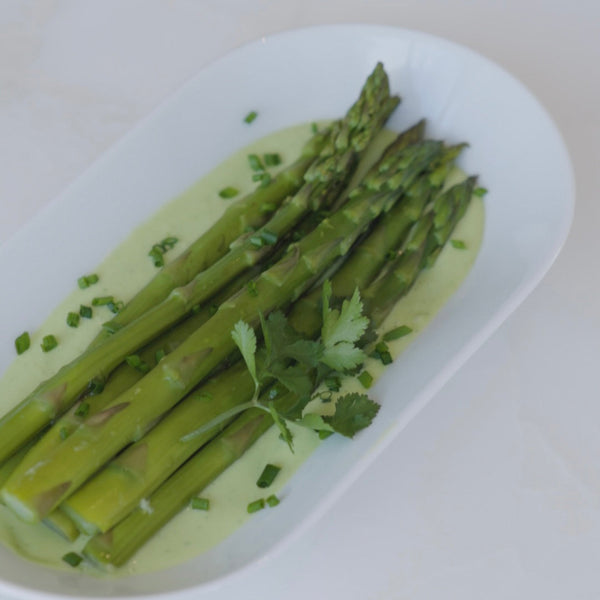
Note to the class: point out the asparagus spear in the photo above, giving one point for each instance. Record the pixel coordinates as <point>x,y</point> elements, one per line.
<point>214,243</point>
<point>33,495</point>
<point>116,546</point>
<point>422,248</point>
<point>349,137</point>
<point>364,261</point>
<point>8,466</point>
<point>127,479</point>
<point>374,101</point>
<point>117,489</point>
<point>122,379</point>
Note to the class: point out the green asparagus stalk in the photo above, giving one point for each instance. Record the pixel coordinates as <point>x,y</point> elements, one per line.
<point>364,117</point>
<point>126,480</point>
<point>9,465</point>
<point>425,242</point>
<point>214,243</point>
<point>118,488</point>
<point>33,495</point>
<point>124,377</point>
<point>348,139</point>
<point>116,546</point>
<point>364,261</point>
<point>57,520</point>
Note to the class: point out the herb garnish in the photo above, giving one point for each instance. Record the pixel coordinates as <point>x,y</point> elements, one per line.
<point>23,342</point>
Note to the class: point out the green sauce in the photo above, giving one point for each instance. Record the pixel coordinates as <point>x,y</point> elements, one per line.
<point>126,270</point>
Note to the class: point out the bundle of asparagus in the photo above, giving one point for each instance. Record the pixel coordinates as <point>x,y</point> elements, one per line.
<point>84,462</point>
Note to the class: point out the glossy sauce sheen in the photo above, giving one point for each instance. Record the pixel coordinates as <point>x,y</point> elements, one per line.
<point>126,270</point>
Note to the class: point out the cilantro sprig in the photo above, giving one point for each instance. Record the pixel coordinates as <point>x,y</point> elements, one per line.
<point>299,364</point>
<point>287,361</point>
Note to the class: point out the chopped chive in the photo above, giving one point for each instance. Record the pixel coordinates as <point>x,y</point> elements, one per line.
<point>200,503</point>
<point>272,159</point>
<point>73,319</point>
<point>85,311</point>
<point>266,180</point>
<point>333,384</point>
<point>268,476</point>
<point>102,300</point>
<point>250,117</point>
<point>258,176</point>
<point>23,342</point>
<point>49,342</point>
<point>116,307</point>
<point>111,327</point>
<point>256,241</point>
<point>480,192</point>
<point>273,500</point>
<point>137,363</point>
<point>263,238</point>
<point>268,237</point>
<point>255,162</point>
<point>72,558</point>
<point>325,396</point>
<point>158,250</point>
<point>458,244</point>
<point>256,505</point>
<point>86,280</point>
<point>382,353</point>
<point>95,386</point>
<point>251,287</point>
<point>314,127</point>
<point>228,192</point>
<point>366,379</point>
<point>63,433</point>
<point>159,355</point>
<point>157,256</point>
<point>82,410</point>
<point>397,333</point>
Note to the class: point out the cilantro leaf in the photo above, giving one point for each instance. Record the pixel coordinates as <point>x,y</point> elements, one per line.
<point>305,352</point>
<point>341,329</point>
<point>344,356</point>
<point>353,412</point>
<point>286,356</point>
<point>283,342</point>
<point>245,338</point>
<point>294,378</point>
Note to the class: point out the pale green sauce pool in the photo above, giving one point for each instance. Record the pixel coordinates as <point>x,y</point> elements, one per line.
<point>126,270</point>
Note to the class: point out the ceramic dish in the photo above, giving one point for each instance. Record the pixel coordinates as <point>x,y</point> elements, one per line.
<point>294,77</point>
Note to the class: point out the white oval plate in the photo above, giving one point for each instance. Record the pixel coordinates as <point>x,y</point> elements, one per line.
<point>292,77</point>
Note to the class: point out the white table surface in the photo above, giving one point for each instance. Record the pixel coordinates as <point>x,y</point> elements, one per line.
<point>493,491</point>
